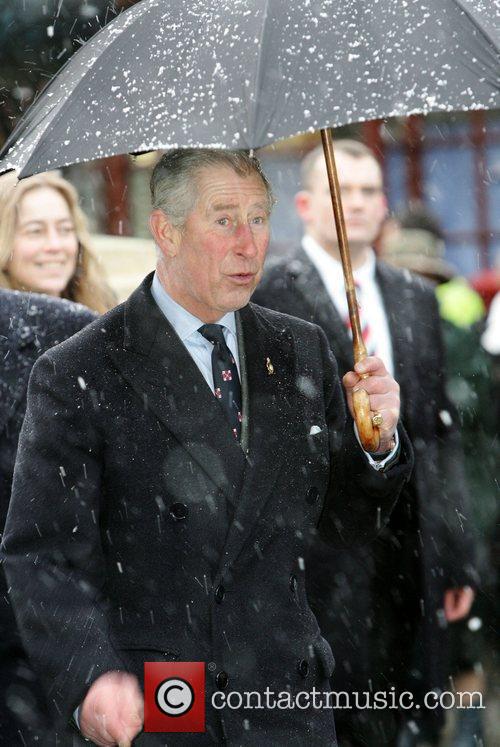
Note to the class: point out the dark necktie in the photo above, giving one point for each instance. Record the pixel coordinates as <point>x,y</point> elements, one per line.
<point>226,380</point>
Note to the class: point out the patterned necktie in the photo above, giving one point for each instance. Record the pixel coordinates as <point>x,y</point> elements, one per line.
<point>366,330</point>
<point>226,380</point>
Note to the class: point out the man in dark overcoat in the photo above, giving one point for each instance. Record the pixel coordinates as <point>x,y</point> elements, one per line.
<point>30,324</point>
<point>177,456</point>
<point>384,607</point>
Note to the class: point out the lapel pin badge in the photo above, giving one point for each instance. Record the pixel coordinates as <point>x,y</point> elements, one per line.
<point>269,366</point>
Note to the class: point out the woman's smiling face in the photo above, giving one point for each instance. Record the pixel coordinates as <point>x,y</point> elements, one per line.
<point>45,248</point>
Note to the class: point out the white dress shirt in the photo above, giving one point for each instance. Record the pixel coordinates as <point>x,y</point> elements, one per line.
<point>491,336</point>
<point>368,293</point>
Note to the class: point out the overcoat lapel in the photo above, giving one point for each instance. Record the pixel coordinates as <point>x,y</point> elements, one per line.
<point>270,365</point>
<point>155,362</point>
<point>323,311</point>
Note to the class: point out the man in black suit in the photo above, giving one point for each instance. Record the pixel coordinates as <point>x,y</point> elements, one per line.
<point>30,324</point>
<point>385,606</point>
<point>168,523</point>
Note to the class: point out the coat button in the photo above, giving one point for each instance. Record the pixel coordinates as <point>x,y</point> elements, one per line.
<point>312,495</point>
<point>221,680</point>
<point>220,593</point>
<point>293,583</point>
<point>303,668</point>
<point>178,511</point>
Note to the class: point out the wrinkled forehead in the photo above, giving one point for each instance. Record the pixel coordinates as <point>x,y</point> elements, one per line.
<point>220,187</point>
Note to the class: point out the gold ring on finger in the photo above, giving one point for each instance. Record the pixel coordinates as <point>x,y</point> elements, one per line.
<point>377,419</point>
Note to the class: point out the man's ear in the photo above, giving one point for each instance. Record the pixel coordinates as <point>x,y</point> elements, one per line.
<point>164,233</point>
<point>303,204</point>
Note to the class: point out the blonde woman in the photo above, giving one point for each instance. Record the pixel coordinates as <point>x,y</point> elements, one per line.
<point>44,242</point>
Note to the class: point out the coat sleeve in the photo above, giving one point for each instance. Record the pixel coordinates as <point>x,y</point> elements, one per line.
<point>51,550</point>
<point>360,499</point>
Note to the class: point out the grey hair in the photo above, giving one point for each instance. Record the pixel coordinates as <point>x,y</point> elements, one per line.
<point>173,181</point>
<point>352,148</point>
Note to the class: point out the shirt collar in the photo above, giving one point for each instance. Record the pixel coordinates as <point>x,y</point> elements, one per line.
<point>183,322</point>
<point>333,268</point>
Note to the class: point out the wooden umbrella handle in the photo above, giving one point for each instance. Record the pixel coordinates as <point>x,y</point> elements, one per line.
<point>369,434</point>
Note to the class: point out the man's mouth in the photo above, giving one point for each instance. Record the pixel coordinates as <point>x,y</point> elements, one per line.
<point>242,277</point>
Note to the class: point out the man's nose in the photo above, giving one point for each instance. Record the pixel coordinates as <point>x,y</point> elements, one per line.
<point>245,242</point>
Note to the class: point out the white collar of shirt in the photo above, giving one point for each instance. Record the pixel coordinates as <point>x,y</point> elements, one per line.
<point>330,269</point>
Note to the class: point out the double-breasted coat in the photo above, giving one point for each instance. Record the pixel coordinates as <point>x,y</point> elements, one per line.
<point>381,605</point>
<point>154,535</point>
<point>29,325</point>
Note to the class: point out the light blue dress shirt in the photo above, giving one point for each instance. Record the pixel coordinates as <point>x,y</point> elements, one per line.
<point>186,326</point>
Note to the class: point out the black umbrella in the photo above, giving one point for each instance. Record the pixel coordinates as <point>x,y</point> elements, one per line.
<point>244,73</point>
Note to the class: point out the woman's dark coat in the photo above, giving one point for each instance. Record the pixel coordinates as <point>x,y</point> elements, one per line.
<point>30,324</point>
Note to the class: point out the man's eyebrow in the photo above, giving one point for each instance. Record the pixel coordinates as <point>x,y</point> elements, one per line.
<point>223,206</point>
<point>218,206</point>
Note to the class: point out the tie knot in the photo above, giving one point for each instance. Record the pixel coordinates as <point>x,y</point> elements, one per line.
<point>213,333</point>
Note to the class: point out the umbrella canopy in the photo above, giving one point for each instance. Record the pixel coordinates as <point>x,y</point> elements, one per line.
<point>243,73</point>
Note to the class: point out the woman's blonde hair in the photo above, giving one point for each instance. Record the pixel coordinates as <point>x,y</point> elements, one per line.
<point>86,286</point>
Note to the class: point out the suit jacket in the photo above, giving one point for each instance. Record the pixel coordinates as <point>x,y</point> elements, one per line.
<point>427,546</point>
<point>29,325</point>
<point>155,536</point>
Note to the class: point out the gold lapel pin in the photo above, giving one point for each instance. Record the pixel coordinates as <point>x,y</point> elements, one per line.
<point>269,366</point>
